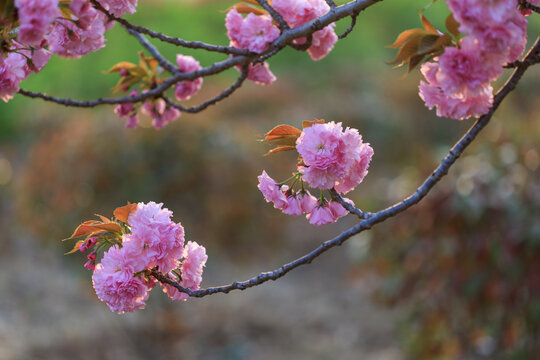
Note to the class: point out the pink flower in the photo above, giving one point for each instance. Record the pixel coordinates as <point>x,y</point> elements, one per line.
<point>502,43</point>
<point>36,16</point>
<point>192,268</point>
<point>458,108</point>
<point>186,89</point>
<point>155,239</point>
<point>126,109</point>
<point>161,113</point>
<point>13,70</point>
<point>338,210</point>
<point>333,157</point>
<point>261,74</point>
<point>85,13</point>
<point>119,7</point>
<point>299,12</point>
<point>472,13</point>
<point>272,191</point>
<point>321,215</point>
<point>323,42</point>
<point>132,121</point>
<point>294,206</point>
<point>308,202</point>
<point>115,284</point>
<point>463,72</point>
<point>253,32</point>
<point>68,40</point>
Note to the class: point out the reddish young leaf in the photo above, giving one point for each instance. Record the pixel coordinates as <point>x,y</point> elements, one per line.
<point>281,131</point>
<point>110,227</point>
<point>308,123</point>
<point>246,9</point>
<point>406,36</point>
<point>452,26</point>
<point>122,213</point>
<point>76,247</point>
<point>280,149</point>
<point>122,65</point>
<point>427,25</point>
<point>83,230</point>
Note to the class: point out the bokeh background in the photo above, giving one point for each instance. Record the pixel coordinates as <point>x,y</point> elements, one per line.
<point>456,277</point>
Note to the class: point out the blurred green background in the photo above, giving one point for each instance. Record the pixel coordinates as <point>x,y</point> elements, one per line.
<point>457,277</point>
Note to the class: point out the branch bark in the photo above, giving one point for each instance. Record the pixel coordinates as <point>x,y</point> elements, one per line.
<point>455,152</point>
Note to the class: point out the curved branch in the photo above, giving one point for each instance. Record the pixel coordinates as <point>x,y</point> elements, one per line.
<point>283,40</point>
<point>275,15</point>
<point>195,109</point>
<point>454,153</point>
<point>350,28</point>
<point>169,39</point>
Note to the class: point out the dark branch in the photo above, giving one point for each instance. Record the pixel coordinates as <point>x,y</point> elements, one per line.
<point>350,28</point>
<point>283,40</point>
<point>454,153</point>
<point>350,208</point>
<point>169,39</point>
<point>274,14</point>
<point>224,94</point>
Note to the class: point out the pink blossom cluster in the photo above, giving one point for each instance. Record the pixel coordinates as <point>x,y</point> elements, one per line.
<point>161,112</point>
<point>42,29</point>
<point>318,212</point>
<point>333,157</point>
<point>17,66</point>
<point>299,12</point>
<point>36,16</point>
<point>459,81</point>
<point>155,241</point>
<point>254,33</point>
<point>186,89</point>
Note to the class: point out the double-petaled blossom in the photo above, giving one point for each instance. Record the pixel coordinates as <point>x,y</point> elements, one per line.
<point>299,12</point>
<point>194,259</point>
<point>115,283</point>
<point>13,70</point>
<point>69,40</point>
<point>186,89</point>
<point>36,17</point>
<point>459,80</point>
<point>253,33</point>
<point>154,242</point>
<point>161,113</point>
<point>333,157</point>
<point>119,7</point>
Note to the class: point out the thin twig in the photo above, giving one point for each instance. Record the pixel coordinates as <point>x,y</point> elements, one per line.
<point>169,39</point>
<point>304,46</point>
<point>350,28</point>
<point>195,109</point>
<point>380,216</point>
<point>274,14</point>
<point>331,3</point>
<point>155,53</point>
<point>283,40</point>
<point>349,207</point>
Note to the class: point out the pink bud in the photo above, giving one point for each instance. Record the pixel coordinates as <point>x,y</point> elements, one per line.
<point>90,265</point>
<point>92,257</point>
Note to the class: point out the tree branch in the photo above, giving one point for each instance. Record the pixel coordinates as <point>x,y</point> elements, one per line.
<point>380,216</point>
<point>286,37</point>
<point>224,94</point>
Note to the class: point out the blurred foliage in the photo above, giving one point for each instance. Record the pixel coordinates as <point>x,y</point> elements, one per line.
<point>466,261</point>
